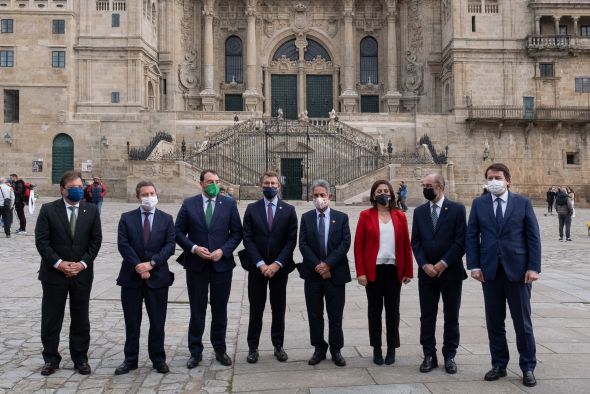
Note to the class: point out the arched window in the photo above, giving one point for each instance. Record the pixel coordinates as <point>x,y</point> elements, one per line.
<point>288,49</point>
<point>315,49</point>
<point>233,60</point>
<point>369,60</point>
<point>62,154</point>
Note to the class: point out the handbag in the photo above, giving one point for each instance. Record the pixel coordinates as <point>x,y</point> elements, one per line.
<point>7,201</point>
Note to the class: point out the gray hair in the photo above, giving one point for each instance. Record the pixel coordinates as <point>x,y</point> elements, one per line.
<point>440,180</point>
<point>321,183</point>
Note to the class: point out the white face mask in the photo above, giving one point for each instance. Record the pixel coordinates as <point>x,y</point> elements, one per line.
<point>496,187</point>
<point>149,203</point>
<point>321,203</point>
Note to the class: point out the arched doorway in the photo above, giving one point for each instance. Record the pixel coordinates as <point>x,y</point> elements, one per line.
<point>301,78</point>
<point>62,154</point>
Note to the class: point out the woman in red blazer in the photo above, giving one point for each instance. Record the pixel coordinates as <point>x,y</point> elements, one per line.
<point>383,259</point>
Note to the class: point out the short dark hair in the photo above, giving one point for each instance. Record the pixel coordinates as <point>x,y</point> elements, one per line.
<point>391,194</point>
<point>498,167</point>
<point>202,176</point>
<point>143,184</point>
<point>270,174</point>
<point>69,176</point>
<point>14,175</point>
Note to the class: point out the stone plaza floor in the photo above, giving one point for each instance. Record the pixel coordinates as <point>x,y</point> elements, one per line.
<point>561,318</point>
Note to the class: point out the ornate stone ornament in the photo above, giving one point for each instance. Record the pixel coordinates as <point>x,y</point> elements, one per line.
<point>414,68</point>
<point>189,71</point>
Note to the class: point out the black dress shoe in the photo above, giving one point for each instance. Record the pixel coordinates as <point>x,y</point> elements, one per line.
<point>223,358</point>
<point>378,356</point>
<point>194,361</point>
<point>83,368</point>
<point>125,368</point>
<point>528,379</point>
<point>161,367</point>
<point>280,354</point>
<point>429,363</point>
<point>495,373</point>
<point>252,356</point>
<point>450,365</point>
<point>317,357</point>
<point>49,369</point>
<point>390,356</point>
<point>338,359</point>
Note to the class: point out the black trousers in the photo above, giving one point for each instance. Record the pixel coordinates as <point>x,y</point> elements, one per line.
<point>156,302</point>
<point>20,212</point>
<point>518,295</point>
<point>53,306</point>
<point>6,214</point>
<point>430,292</point>
<point>315,293</point>
<point>564,220</point>
<point>198,284</point>
<point>385,290</point>
<point>549,206</point>
<point>277,285</point>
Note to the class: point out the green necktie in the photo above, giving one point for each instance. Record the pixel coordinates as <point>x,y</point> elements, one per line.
<point>73,219</point>
<point>208,213</point>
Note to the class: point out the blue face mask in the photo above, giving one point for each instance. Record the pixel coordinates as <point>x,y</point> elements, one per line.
<point>269,192</point>
<point>382,199</point>
<point>75,194</point>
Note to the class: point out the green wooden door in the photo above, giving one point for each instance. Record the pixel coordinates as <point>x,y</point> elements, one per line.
<point>284,95</point>
<point>62,156</point>
<point>319,96</point>
<point>234,103</point>
<point>369,103</point>
<point>291,174</point>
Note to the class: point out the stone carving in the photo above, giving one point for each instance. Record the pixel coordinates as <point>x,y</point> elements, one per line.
<point>189,71</point>
<point>414,68</point>
<point>232,15</point>
<point>284,63</point>
<point>369,16</point>
<point>369,88</point>
<point>186,25</point>
<point>318,63</point>
<point>303,117</point>
<point>415,72</point>
<point>61,117</point>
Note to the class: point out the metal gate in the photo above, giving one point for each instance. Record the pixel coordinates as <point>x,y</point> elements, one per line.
<point>284,95</point>
<point>291,176</point>
<point>319,95</point>
<point>62,155</point>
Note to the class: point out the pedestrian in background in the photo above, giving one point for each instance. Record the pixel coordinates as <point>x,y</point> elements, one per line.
<point>565,211</point>
<point>550,200</point>
<point>19,203</point>
<point>6,206</point>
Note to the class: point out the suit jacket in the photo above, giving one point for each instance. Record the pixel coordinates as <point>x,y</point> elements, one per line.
<point>445,242</point>
<point>225,232</point>
<point>337,248</point>
<point>277,244</point>
<point>133,250</point>
<point>517,240</point>
<point>54,240</point>
<point>366,245</point>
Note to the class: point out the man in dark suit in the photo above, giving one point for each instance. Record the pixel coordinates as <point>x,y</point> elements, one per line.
<point>270,236</point>
<point>68,236</point>
<point>146,242</point>
<point>438,242</point>
<point>324,240</point>
<point>504,254</point>
<point>208,229</point>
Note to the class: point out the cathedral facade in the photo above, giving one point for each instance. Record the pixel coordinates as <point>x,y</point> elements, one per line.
<point>133,89</point>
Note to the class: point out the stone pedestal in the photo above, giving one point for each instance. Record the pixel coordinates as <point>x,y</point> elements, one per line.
<point>252,101</point>
<point>209,100</point>
<point>349,101</point>
<point>408,102</point>
<point>391,101</point>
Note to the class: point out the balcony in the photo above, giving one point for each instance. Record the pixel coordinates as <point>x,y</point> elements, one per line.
<point>502,113</point>
<point>558,45</point>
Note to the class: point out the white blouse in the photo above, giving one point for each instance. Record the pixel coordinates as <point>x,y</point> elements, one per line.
<point>386,254</point>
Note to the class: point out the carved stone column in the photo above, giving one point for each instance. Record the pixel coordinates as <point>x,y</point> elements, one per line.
<point>349,97</point>
<point>393,95</point>
<point>576,32</point>
<point>208,95</point>
<point>538,25</point>
<point>556,19</point>
<point>251,95</point>
<point>267,98</point>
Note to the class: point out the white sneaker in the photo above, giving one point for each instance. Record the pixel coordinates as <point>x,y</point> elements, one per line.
<point>21,232</point>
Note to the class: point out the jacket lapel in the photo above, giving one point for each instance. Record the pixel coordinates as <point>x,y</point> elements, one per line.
<point>140,226</point>
<point>216,212</point>
<point>334,221</point>
<point>200,210</point>
<point>441,216</point>
<point>489,210</point>
<point>277,215</point>
<point>262,215</point>
<point>313,222</point>
<point>509,209</point>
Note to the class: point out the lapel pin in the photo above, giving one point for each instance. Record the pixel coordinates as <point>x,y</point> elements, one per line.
<point>446,208</point>
<point>333,221</point>
<point>280,207</point>
<point>84,211</point>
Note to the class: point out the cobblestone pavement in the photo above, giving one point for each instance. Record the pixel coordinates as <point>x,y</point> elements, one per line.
<point>561,317</point>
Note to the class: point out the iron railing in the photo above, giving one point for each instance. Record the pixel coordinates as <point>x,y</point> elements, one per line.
<point>501,112</point>
<point>439,158</point>
<point>137,153</point>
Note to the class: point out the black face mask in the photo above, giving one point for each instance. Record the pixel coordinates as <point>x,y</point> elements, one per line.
<point>269,192</point>
<point>383,199</point>
<point>429,193</point>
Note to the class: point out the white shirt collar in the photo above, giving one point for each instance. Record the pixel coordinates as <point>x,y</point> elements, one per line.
<point>142,209</point>
<point>503,196</point>
<point>326,212</point>
<point>206,197</point>
<point>274,201</point>
<point>77,205</point>
<point>439,203</point>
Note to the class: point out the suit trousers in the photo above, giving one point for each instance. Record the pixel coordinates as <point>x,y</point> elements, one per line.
<point>20,213</point>
<point>277,285</point>
<point>198,284</point>
<point>430,292</point>
<point>386,290</point>
<point>518,294</point>
<point>53,306</point>
<point>156,302</point>
<point>315,293</point>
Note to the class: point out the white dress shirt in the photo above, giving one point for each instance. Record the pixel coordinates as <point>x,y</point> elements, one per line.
<point>386,254</point>
<point>69,212</point>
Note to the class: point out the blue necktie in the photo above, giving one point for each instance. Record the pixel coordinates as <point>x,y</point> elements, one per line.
<point>499,216</point>
<point>322,231</point>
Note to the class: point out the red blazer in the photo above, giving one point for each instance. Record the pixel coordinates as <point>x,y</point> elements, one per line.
<point>366,245</point>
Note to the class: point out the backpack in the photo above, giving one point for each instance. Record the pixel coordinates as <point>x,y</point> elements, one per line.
<point>27,191</point>
<point>561,198</point>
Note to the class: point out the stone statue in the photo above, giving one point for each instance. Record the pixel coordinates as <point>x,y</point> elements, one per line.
<point>303,116</point>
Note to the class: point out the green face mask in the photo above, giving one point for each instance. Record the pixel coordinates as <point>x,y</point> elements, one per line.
<point>212,190</point>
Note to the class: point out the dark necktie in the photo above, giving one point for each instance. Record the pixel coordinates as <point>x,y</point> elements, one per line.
<point>499,215</point>
<point>322,231</point>
<point>73,220</point>
<point>209,213</point>
<point>434,215</point>
<point>269,216</point>
<point>146,228</point>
